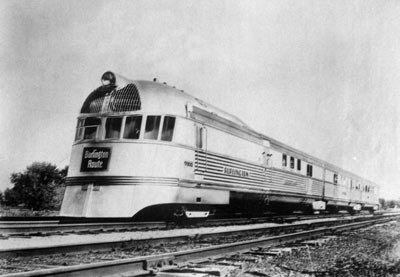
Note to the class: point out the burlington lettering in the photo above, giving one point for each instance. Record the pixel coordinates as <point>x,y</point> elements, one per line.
<point>95,158</point>
<point>96,155</point>
<point>92,164</point>
<point>236,172</point>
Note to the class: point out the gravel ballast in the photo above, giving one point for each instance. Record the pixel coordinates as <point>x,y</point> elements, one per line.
<point>373,251</point>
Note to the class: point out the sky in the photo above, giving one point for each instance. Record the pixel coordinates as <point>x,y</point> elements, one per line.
<point>320,76</point>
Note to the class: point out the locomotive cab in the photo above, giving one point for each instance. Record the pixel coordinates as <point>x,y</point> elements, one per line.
<point>133,155</point>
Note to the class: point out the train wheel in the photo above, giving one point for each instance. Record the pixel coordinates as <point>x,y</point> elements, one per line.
<point>179,214</point>
<point>308,210</point>
<point>332,209</point>
<point>351,211</point>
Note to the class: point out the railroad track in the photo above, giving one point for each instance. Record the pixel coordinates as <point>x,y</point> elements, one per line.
<point>151,263</point>
<point>46,228</point>
<point>158,237</point>
<point>51,226</point>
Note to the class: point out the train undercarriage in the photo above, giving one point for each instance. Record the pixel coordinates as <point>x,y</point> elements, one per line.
<point>246,205</point>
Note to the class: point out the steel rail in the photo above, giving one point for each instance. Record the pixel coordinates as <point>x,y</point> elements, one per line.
<point>150,264</point>
<point>32,228</point>
<point>49,227</point>
<point>129,243</point>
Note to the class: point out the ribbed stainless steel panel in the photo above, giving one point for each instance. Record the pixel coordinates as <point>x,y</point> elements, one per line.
<point>120,180</point>
<point>213,168</point>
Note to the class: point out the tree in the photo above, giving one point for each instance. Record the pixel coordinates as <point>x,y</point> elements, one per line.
<point>60,190</point>
<point>382,203</point>
<point>36,187</point>
<point>391,203</point>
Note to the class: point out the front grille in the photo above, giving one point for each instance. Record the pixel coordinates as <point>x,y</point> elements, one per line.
<point>110,99</point>
<point>95,105</point>
<point>125,99</point>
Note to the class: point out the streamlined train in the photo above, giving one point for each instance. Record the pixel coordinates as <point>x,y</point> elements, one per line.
<point>146,150</point>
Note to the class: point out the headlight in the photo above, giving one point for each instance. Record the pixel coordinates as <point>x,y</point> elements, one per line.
<point>108,79</point>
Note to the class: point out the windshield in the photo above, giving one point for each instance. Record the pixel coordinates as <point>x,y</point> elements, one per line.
<point>156,127</point>
<point>87,128</point>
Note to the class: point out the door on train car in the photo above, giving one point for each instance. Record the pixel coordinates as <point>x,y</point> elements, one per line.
<point>266,155</point>
<point>201,151</point>
<point>266,160</point>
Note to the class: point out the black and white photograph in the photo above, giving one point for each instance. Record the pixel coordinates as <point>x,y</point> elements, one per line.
<point>200,138</point>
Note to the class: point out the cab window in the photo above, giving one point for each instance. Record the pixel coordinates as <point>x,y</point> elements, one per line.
<point>113,127</point>
<point>152,127</point>
<point>132,127</point>
<point>168,128</point>
<point>91,126</point>
<point>79,129</point>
